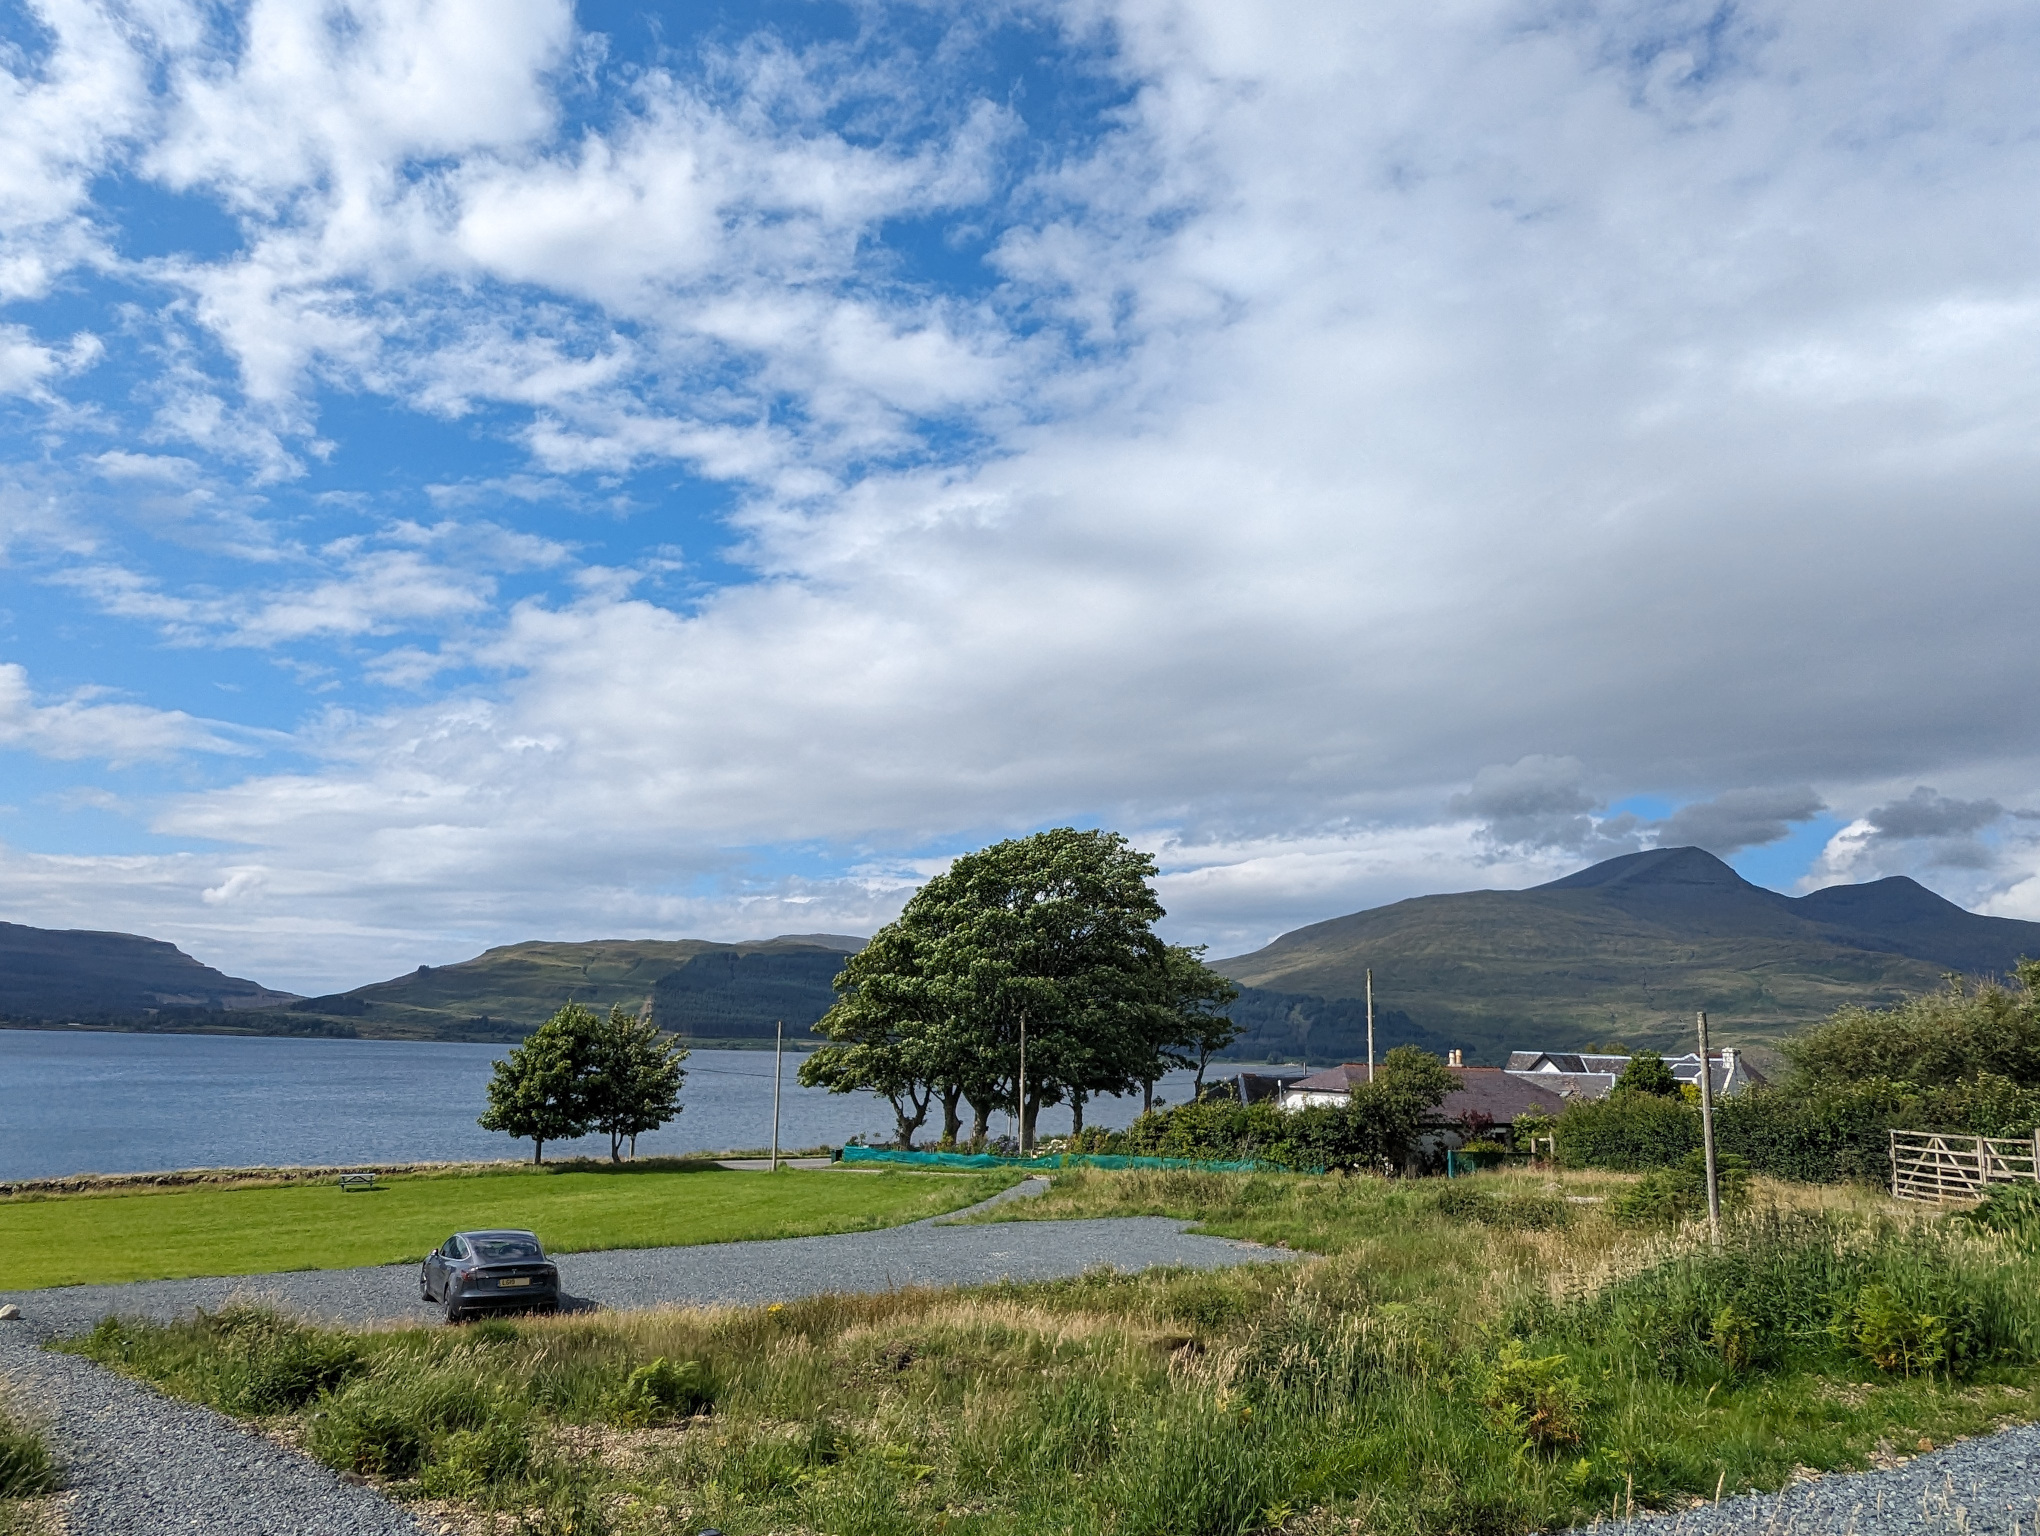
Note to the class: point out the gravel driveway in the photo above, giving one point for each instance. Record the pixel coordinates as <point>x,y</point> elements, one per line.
<point>1989,1486</point>
<point>142,1464</point>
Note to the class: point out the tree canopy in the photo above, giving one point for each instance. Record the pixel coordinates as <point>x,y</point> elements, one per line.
<point>634,1078</point>
<point>577,1072</point>
<point>1648,1074</point>
<point>1048,937</point>
<point>1957,1035</point>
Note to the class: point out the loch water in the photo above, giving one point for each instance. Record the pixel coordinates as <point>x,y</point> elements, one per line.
<point>83,1101</point>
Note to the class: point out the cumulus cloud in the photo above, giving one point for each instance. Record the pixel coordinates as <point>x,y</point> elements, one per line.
<point>1927,813</point>
<point>1940,838</point>
<point>85,726</point>
<point>1541,803</point>
<point>1354,404</point>
<point>1738,819</point>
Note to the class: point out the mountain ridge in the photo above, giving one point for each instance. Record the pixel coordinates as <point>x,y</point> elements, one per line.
<point>1631,948</point>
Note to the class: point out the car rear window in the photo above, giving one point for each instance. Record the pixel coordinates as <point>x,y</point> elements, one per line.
<point>491,1250</point>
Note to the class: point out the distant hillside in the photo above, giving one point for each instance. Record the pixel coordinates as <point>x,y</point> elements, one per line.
<point>50,975</point>
<point>1627,950</point>
<point>699,989</point>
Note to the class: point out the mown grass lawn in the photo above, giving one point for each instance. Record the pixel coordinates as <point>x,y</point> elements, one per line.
<point>170,1234</point>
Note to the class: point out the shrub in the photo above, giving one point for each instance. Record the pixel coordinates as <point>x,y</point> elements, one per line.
<point>1538,1400</point>
<point>27,1470</point>
<point>1783,1289</point>
<point>383,1425</point>
<point>1465,1201</point>
<point>1376,1127</point>
<point>1629,1132</point>
<point>660,1392</point>
<point>1894,1336</point>
<point>1958,1035</point>
<point>1840,1132</point>
<point>273,1364</point>
<point>471,1460</point>
<point>1666,1196</point>
<point>2010,1209</point>
<point>369,1435</point>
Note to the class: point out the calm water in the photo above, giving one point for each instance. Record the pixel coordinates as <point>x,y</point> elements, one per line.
<point>78,1102</point>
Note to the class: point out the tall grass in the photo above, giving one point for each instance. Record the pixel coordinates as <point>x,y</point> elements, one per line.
<point>1477,1360</point>
<point>28,1471</point>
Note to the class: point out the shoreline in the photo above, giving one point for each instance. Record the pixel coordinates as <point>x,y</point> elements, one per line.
<point>259,1176</point>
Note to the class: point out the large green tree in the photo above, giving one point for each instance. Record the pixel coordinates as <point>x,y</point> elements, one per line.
<point>634,1076</point>
<point>540,1090</point>
<point>1047,938</point>
<point>881,1031</point>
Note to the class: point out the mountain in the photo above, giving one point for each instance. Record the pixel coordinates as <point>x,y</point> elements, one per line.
<point>705,991</point>
<point>61,974</point>
<point>1626,949</point>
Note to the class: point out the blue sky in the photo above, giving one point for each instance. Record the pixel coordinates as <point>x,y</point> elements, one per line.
<point>477,471</point>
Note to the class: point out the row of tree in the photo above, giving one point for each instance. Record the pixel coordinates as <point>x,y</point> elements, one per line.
<point>1034,962</point>
<point>578,1073</point>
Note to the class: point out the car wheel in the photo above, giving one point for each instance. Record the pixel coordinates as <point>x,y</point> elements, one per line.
<point>453,1310</point>
<point>424,1287</point>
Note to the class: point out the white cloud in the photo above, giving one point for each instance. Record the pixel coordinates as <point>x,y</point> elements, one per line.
<point>82,726</point>
<point>1403,424</point>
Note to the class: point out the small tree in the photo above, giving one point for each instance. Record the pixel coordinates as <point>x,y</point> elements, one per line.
<point>540,1091</point>
<point>1401,1102</point>
<point>634,1079</point>
<point>1195,998</point>
<point>1647,1073</point>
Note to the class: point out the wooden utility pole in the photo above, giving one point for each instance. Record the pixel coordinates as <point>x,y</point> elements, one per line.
<point>1707,1135</point>
<point>778,1050</point>
<point>1020,1093</point>
<point>1370,1023</point>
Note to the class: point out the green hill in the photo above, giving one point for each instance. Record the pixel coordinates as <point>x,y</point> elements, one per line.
<point>702,990</point>
<point>1626,950</point>
<point>60,974</point>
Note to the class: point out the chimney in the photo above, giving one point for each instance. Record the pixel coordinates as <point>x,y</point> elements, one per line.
<point>1452,1059</point>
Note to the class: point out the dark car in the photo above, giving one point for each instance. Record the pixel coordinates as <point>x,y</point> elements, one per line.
<point>472,1271</point>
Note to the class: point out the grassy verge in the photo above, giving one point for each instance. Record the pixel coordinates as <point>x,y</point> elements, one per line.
<point>28,1473</point>
<point>1457,1366</point>
<point>166,1234</point>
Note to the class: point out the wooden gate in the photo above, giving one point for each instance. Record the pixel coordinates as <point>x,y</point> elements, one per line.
<point>1925,1166</point>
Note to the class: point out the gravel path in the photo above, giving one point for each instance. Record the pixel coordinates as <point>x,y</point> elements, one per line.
<point>141,1464</point>
<point>1989,1486</point>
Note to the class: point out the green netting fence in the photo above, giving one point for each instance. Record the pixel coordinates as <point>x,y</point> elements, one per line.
<point>855,1154</point>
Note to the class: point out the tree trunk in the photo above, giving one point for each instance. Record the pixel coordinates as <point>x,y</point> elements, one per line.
<point>538,1149</point>
<point>1076,1114</point>
<point>1197,1088</point>
<point>1147,1097</point>
<point>1032,1113</point>
<point>980,1121</point>
<point>909,1122</point>
<point>616,1146</point>
<point>952,1093</point>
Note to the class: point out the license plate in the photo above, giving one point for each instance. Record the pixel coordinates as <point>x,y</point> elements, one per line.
<point>506,1284</point>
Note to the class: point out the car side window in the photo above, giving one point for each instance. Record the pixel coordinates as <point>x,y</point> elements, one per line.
<point>451,1249</point>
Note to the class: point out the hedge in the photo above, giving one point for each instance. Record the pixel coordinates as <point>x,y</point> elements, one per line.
<point>1824,1137</point>
<point>1630,1132</point>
